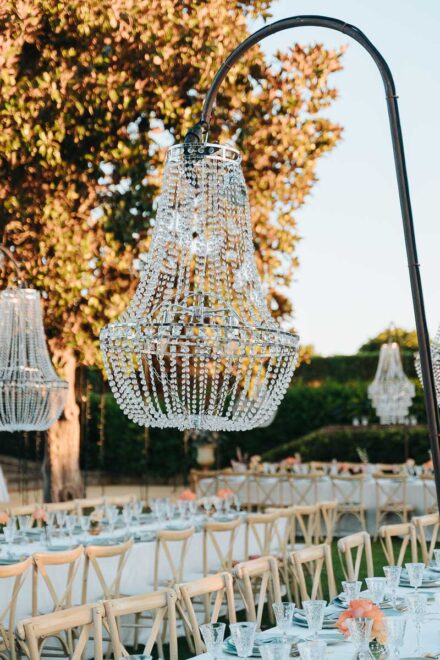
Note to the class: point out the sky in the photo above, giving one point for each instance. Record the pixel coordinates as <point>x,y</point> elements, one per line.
<point>353,277</point>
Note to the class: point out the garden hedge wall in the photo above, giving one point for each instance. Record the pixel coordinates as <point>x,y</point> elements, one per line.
<point>344,368</point>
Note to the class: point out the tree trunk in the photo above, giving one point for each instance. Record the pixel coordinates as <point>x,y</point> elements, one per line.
<point>62,476</point>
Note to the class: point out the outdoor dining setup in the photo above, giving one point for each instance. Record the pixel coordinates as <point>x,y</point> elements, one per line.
<point>272,559</point>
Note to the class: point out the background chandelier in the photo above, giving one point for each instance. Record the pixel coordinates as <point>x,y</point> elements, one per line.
<point>435,357</point>
<point>197,346</point>
<point>32,396</point>
<point>391,392</point>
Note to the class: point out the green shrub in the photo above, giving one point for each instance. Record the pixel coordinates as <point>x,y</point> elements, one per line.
<point>345,368</point>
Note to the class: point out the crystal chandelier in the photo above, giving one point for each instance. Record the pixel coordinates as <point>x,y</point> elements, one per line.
<point>32,396</point>
<point>197,346</point>
<point>391,392</point>
<point>435,357</point>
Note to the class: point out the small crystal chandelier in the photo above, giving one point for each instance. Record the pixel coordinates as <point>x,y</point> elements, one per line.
<point>391,392</point>
<point>32,396</point>
<point>197,347</point>
<point>435,358</point>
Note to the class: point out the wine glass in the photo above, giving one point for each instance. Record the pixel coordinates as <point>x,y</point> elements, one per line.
<point>70,522</point>
<point>395,630</point>
<point>127,516</point>
<point>192,507</point>
<point>112,516</point>
<point>207,505</point>
<point>376,588</point>
<point>437,557</point>
<point>84,522</point>
<point>314,611</point>
<point>9,531</point>
<point>137,508</point>
<point>274,651</point>
<point>352,589</point>
<point>312,650</point>
<point>213,635</point>
<point>237,505</point>
<point>415,574</point>
<point>392,577</point>
<point>417,604</point>
<point>60,517</point>
<point>284,616</point>
<point>360,633</point>
<point>243,636</point>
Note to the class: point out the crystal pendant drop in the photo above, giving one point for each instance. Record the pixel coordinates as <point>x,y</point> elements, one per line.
<point>391,391</point>
<point>32,396</point>
<point>197,346</point>
<point>435,357</point>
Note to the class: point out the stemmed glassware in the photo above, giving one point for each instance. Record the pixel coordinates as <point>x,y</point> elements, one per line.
<point>437,557</point>
<point>284,612</point>
<point>352,589</point>
<point>137,508</point>
<point>182,508</point>
<point>395,630</point>
<point>392,577</point>
<point>415,574</point>
<point>243,636</point>
<point>312,650</point>
<point>360,633</point>
<point>213,635</point>
<point>376,588</point>
<point>417,604</point>
<point>70,522</point>
<point>9,531</point>
<point>60,517</point>
<point>192,508</point>
<point>112,514</point>
<point>127,516</point>
<point>84,522</point>
<point>207,505</point>
<point>314,612</point>
<point>236,500</point>
<point>274,651</point>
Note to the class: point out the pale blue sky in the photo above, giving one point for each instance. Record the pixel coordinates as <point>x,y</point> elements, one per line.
<point>353,279</point>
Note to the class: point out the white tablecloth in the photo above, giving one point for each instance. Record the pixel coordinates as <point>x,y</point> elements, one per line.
<point>4,495</point>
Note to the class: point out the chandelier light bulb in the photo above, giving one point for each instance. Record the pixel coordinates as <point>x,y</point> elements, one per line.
<point>197,346</point>
<point>391,391</point>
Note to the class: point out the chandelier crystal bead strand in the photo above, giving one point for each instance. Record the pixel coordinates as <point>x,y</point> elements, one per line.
<point>197,346</point>
<point>32,396</point>
<point>435,357</point>
<point>391,391</point>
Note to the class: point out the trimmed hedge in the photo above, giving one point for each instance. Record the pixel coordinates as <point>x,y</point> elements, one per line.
<point>384,444</point>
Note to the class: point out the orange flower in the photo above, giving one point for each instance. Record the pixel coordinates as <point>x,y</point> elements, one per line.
<point>290,460</point>
<point>40,515</point>
<point>3,518</point>
<point>367,609</point>
<point>429,465</point>
<point>187,495</point>
<point>225,492</point>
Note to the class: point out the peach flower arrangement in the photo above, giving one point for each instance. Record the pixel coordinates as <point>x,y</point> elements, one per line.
<point>224,493</point>
<point>40,516</point>
<point>366,609</point>
<point>3,519</point>
<point>187,495</point>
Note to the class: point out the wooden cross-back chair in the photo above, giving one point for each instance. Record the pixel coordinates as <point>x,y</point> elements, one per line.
<point>405,533</point>
<point>54,507</point>
<point>87,503</point>
<point>391,497</point>
<point>303,488</point>
<point>15,575</point>
<point>427,531</point>
<point>329,512</point>
<point>219,537</point>
<point>22,509</point>
<point>205,482</point>
<point>43,561</point>
<point>161,605</point>
<point>217,594</point>
<point>352,550</point>
<point>95,556</point>
<point>166,540</point>
<point>280,546</point>
<point>348,491</point>
<point>258,582</point>
<point>237,483</point>
<point>258,534</point>
<point>267,489</point>
<point>305,525</point>
<point>80,623</point>
<point>429,493</point>
<point>314,559</point>
<point>119,500</point>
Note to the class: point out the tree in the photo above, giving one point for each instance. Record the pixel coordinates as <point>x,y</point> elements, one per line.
<point>407,340</point>
<point>91,91</point>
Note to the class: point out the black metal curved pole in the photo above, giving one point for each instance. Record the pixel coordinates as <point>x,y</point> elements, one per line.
<point>196,133</point>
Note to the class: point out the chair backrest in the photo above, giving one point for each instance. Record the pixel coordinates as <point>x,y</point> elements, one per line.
<point>205,482</point>
<point>429,523</point>
<point>391,489</point>
<point>259,527</point>
<point>359,545</point>
<point>43,561</point>
<point>305,524</point>
<point>214,590</point>
<point>282,530</point>
<point>266,488</point>
<point>53,507</point>
<point>259,582</point>
<point>429,493</point>
<point>406,532</point>
<point>390,468</point>
<point>303,487</point>
<point>161,604</point>
<point>328,511</point>
<point>321,466</point>
<point>84,504</point>
<point>218,545</point>
<point>14,575</point>
<point>316,558</point>
<point>237,483</point>
<point>85,618</point>
<point>119,500</point>
<point>173,546</point>
<point>348,489</point>
<point>22,509</point>
<point>95,556</point>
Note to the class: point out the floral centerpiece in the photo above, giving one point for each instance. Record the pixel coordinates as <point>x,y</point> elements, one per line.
<point>255,464</point>
<point>39,516</point>
<point>366,609</point>
<point>224,493</point>
<point>4,518</point>
<point>95,520</point>
<point>188,495</point>
<point>428,466</point>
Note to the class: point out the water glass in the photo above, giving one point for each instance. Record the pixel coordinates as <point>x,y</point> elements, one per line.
<point>360,633</point>
<point>314,611</point>
<point>181,506</point>
<point>127,516</point>
<point>395,630</point>
<point>415,573</point>
<point>192,507</point>
<point>352,589</point>
<point>9,535</point>
<point>112,516</point>
<point>275,651</point>
<point>417,603</point>
<point>392,577</point>
<point>437,557</point>
<point>284,616</point>
<point>312,650</point>
<point>207,505</point>
<point>376,588</point>
<point>213,635</point>
<point>60,517</point>
<point>236,500</point>
<point>243,636</point>
<point>70,522</point>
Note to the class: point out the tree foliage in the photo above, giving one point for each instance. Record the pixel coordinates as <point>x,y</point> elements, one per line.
<point>407,339</point>
<point>92,91</point>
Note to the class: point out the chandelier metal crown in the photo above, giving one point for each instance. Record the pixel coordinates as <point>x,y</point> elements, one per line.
<point>32,396</point>
<point>391,391</point>
<point>197,346</point>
